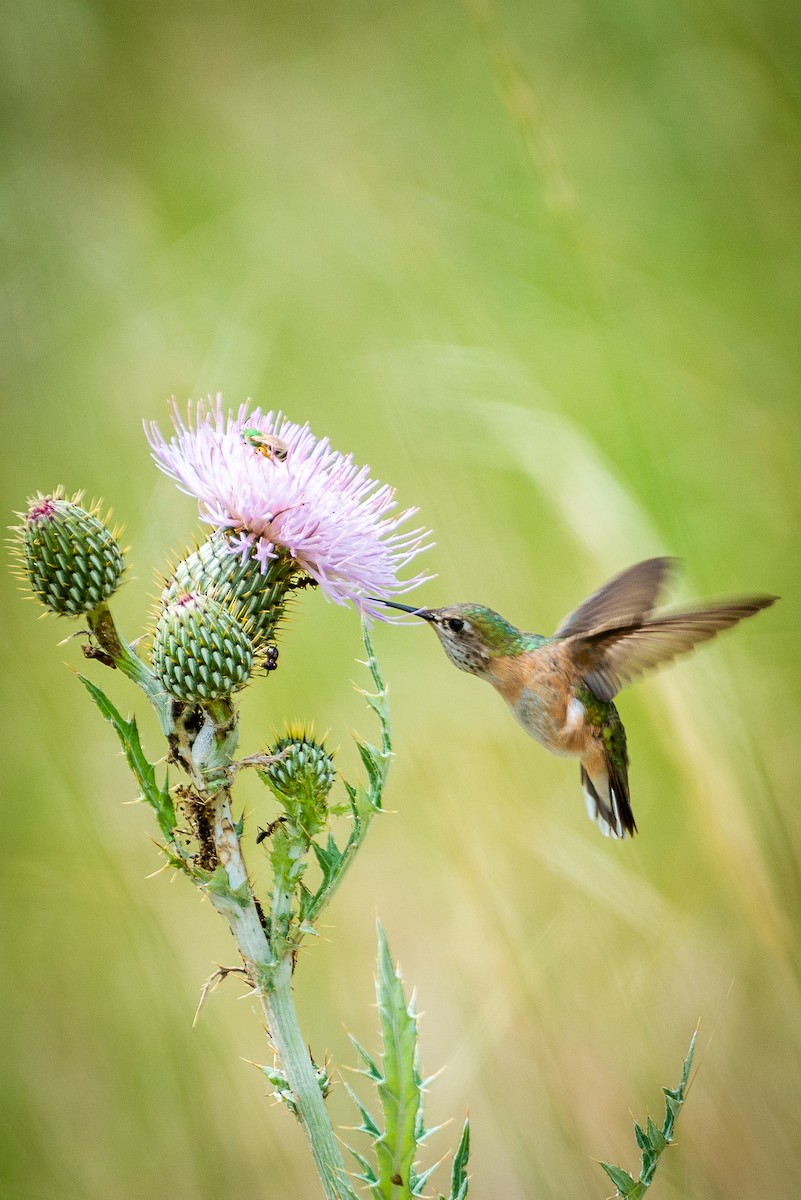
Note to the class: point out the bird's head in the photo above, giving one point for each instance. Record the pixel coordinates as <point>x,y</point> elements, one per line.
<point>471,634</point>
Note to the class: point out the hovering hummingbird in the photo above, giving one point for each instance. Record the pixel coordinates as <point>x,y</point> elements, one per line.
<point>561,688</point>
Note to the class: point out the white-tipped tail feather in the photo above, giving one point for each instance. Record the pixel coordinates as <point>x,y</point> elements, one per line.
<point>607,799</point>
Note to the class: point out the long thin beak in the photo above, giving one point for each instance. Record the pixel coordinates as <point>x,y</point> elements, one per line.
<point>425,613</point>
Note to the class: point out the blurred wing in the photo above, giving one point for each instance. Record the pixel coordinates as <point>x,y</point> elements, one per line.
<point>609,659</point>
<point>628,598</point>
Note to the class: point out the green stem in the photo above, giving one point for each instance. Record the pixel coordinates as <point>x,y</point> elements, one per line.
<point>326,891</point>
<point>282,1021</point>
<point>283,891</point>
<point>366,803</point>
<point>271,976</point>
<point>101,623</point>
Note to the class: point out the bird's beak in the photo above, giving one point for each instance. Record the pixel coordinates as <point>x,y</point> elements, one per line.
<point>425,613</point>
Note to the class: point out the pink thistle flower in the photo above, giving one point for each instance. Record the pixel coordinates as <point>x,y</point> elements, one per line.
<point>275,487</point>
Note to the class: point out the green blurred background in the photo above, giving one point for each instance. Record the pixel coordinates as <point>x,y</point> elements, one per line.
<point>540,268</point>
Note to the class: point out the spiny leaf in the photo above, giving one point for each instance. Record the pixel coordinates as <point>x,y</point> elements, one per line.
<point>418,1182</point>
<point>378,701</point>
<point>626,1186</point>
<point>368,1124</point>
<point>282,1092</point>
<point>459,1169</point>
<point>157,797</point>
<point>329,857</point>
<point>368,1175</point>
<point>372,1070</point>
<point>399,1090</point>
<point>364,802</point>
<point>652,1140</point>
<point>656,1139</point>
<point>219,885</point>
<point>373,764</point>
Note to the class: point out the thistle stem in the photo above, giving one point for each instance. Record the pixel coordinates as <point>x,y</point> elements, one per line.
<point>101,624</point>
<point>282,1022</point>
<point>271,976</point>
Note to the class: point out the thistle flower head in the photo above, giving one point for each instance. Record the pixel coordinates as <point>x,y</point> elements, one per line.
<point>278,490</point>
<point>201,651</point>
<point>257,597</point>
<point>301,778</point>
<point>67,554</point>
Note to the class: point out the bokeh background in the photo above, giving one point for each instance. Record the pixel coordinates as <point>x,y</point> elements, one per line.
<point>539,266</point>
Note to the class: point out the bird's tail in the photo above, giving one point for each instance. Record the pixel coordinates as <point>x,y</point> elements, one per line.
<point>605,781</point>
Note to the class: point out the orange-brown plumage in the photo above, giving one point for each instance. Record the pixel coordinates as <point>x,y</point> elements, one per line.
<point>561,688</point>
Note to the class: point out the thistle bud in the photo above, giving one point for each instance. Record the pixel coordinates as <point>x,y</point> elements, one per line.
<point>201,651</point>
<point>214,567</point>
<point>301,778</point>
<point>70,558</point>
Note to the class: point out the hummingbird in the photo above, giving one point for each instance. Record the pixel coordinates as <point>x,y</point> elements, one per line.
<point>561,688</point>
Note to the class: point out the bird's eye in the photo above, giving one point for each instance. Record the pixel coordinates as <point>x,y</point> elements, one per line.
<point>455,624</point>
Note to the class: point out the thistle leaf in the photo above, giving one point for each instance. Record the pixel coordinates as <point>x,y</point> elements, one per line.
<point>329,857</point>
<point>372,1070</point>
<point>220,886</point>
<point>400,1092</point>
<point>371,757</point>
<point>368,1175</point>
<point>652,1140</point>
<point>459,1169</point>
<point>364,802</point>
<point>158,798</point>
<point>368,1124</point>
<point>626,1186</point>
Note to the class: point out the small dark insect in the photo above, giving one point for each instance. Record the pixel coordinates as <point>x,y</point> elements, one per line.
<point>263,834</point>
<point>396,1179</point>
<point>305,581</point>
<point>271,659</point>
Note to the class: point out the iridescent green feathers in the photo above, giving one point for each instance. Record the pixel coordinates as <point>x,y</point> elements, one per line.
<point>561,688</point>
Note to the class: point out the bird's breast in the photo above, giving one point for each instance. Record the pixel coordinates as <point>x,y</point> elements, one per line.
<point>538,693</point>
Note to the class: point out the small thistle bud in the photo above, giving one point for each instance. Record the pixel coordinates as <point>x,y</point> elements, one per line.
<point>70,558</point>
<point>301,778</point>
<point>200,650</point>
<point>215,567</point>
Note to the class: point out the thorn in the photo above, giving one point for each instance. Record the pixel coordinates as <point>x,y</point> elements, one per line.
<point>164,867</point>
<point>254,991</point>
<point>257,760</point>
<point>71,636</point>
<point>211,983</point>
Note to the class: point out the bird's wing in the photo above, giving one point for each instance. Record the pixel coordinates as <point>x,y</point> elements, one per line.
<point>611,658</point>
<point>625,600</point>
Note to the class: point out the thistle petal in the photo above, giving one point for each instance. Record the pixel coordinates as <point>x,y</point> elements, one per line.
<point>313,505</point>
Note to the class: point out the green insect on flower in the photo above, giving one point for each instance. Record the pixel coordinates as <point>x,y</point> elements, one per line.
<point>266,444</point>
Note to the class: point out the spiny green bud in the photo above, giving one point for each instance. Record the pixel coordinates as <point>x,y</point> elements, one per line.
<point>70,558</point>
<point>303,766</point>
<point>257,597</point>
<point>201,651</point>
<point>301,778</point>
